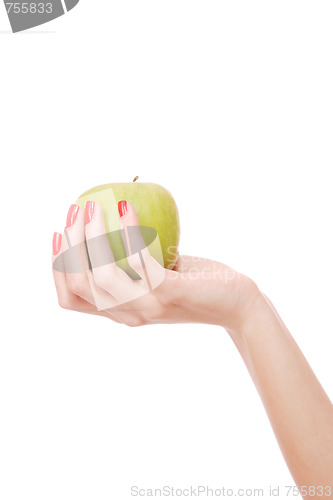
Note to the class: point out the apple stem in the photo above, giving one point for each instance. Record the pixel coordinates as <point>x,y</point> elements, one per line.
<point>135,178</point>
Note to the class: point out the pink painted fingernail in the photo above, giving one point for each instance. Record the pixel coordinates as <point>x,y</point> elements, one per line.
<point>56,244</point>
<point>122,208</point>
<point>71,216</point>
<point>89,211</point>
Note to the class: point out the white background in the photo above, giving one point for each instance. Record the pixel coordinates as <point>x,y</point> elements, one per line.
<point>228,105</point>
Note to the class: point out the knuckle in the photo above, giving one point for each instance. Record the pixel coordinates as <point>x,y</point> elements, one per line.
<point>134,321</point>
<point>156,313</point>
<point>64,303</point>
<point>101,278</point>
<point>76,284</point>
<point>135,262</point>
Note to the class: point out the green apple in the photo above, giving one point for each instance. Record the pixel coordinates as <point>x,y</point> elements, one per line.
<point>157,212</point>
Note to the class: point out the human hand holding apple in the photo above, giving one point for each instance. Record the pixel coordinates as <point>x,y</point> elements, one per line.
<point>92,278</point>
<point>157,213</point>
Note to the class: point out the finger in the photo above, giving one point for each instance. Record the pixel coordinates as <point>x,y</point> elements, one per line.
<point>186,263</point>
<point>66,298</point>
<point>138,255</point>
<point>106,273</point>
<point>78,273</point>
<point>75,258</point>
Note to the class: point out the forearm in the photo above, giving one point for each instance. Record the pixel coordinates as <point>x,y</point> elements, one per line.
<point>298,408</point>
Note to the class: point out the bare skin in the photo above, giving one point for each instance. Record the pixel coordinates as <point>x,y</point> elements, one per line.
<point>199,290</point>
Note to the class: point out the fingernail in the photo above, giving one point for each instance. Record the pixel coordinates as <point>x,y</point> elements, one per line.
<point>71,216</point>
<point>56,243</point>
<point>89,211</point>
<point>122,208</point>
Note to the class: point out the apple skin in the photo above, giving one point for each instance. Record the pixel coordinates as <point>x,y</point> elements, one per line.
<point>155,208</point>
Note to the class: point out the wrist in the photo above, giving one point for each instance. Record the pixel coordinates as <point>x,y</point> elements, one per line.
<point>258,316</point>
<point>249,304</point>
<point>214,295</point>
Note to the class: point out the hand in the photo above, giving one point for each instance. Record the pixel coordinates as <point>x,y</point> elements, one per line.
<point>195,290</point>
